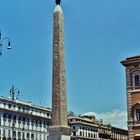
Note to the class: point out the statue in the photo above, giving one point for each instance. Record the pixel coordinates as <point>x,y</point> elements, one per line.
<point>58,2</point>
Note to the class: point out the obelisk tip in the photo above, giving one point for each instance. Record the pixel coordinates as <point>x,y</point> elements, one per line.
<point>58,8</point>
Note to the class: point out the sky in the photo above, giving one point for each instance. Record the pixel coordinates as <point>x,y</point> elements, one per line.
<point>98,35</point>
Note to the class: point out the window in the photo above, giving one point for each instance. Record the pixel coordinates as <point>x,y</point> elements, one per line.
<point>14,106</point>
<point>137,80</point>
<point>28,121</point>
<point>9,105</point>
<point>9,116</point>
<point>48,114</point>
<point>3,132</point>
<point>36,123</point>
<point>19,118</point>
<point>19,135</point>
<point>32,121</point>
<point>91,135</point>
<point>24,119</point>
<point>138,114</point>
<point>28,109</point>
<point>80,133</point>
<point>23,136</point>
<point>32,136</point>
<point>94,136</point>
<point>28,136</point>
<point>9,133</point>
<point>40,122</point>
<point>74,133</point>
<point>23,109</point>
<point>4,115</point>
<point>48,124</point>
<point>19,108</point>
<point>15,117</point>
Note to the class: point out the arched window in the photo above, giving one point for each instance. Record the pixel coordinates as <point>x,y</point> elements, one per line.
<point>19,135</point>
<point>4,132</point>
<point>137,80</point>
<point>4,138</point>
<point>14,134</point>
<point>28,136</point>
<point>80,133</point>
<point>9,135</point>
<point>23,136</point>
<point>91,135</point>
<point>94,136</point>
<point>138,115</point>
<point>32,136</point>
<point>9,105</point>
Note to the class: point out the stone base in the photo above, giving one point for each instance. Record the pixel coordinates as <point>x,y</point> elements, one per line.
<point>59,133</point>
<point>58,137</point>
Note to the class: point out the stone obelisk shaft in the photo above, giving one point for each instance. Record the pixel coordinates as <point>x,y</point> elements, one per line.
<point>59,129</point>
<point>59,102</point>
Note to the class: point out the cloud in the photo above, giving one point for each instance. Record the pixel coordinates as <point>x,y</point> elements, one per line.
<point>116,118</point>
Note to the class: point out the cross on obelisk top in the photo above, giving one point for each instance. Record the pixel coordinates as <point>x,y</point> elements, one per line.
<point>58,2</point>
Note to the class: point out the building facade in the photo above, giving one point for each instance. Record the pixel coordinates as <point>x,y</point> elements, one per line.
<point>83,128</point>
<point>132,66</point>
<point>88,128</point>
<point>23,121</point>
<point>118,134</point>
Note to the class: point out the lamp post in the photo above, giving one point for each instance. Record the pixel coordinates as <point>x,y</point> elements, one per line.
<point>1,42</point>
<point>14,92</point>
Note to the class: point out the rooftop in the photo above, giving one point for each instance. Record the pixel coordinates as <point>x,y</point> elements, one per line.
<point>131,61</point>
<point>29,104</point>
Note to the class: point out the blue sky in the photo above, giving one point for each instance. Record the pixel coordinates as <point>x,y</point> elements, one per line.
<point>98,35</point>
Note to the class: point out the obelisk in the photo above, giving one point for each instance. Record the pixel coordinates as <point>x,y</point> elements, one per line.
<point>59,129</point>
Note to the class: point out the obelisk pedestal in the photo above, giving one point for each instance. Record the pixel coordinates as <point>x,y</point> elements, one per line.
<point>59,129</point>
<point>59,133</point>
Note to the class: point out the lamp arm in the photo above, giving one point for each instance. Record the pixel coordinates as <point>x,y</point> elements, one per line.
<point>16,89</point>
<point>5,38</point>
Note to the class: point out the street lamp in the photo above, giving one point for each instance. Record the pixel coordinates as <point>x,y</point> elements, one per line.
<point>1,41</point>
<point>14,92</point>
